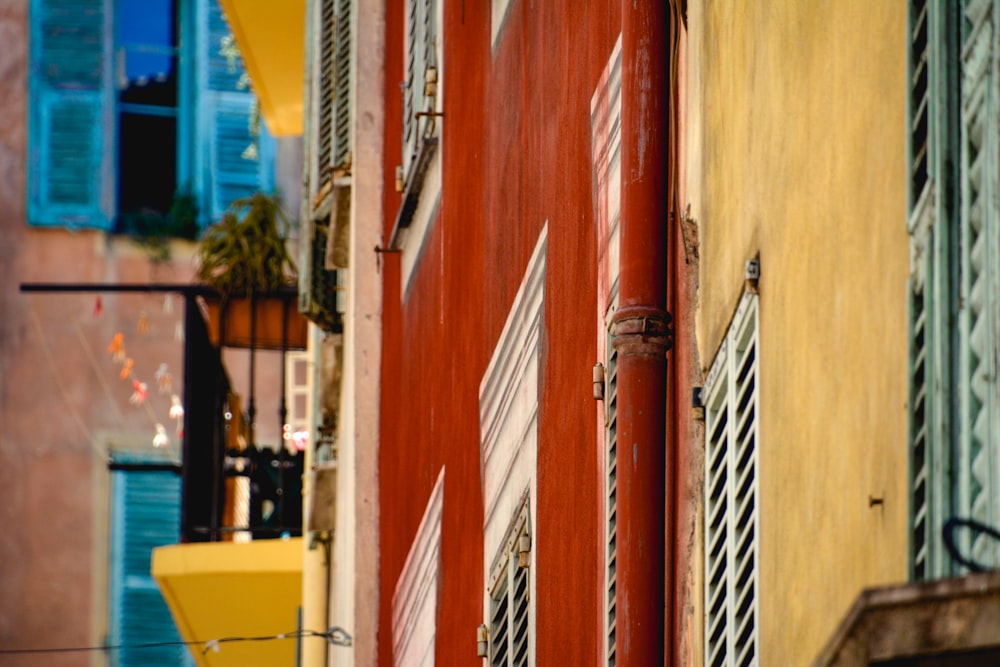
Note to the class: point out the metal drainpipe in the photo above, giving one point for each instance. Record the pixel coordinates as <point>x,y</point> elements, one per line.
<point>642,336</point>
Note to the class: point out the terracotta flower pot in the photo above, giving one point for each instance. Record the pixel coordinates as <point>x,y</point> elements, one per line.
<point>271,312</point>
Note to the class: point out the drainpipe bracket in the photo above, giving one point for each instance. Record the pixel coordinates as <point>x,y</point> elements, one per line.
<point>642,330</point>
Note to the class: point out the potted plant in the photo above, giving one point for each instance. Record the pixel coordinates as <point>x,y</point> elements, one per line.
<point>245,259</point>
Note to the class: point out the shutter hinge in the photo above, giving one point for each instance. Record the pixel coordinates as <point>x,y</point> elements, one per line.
<point>482,641</point>
<point>430,82</point>
<point>752,275</point>
<point>524,550</point>
<point>598,381</point>
<point>697,404</point>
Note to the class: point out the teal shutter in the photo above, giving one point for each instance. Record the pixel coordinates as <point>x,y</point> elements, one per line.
<point>954,431</point>
<point>69,119</point>
<point>979,275</point>
<point>931,224</point>
<point>145,514</point>
<point>229,169</point>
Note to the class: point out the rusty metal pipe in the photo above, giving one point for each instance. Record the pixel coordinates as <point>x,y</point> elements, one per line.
<point>642,337</point>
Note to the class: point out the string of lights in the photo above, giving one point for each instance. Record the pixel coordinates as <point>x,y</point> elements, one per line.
<point>335,635</point>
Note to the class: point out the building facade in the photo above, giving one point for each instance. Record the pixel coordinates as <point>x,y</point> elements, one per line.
<point>119,119</point>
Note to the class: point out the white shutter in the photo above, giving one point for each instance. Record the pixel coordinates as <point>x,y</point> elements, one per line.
<point>421,24</point>
<point>510,608</point>
<point>731,504</point>
<point>611,489</point>
<point>325,96</point>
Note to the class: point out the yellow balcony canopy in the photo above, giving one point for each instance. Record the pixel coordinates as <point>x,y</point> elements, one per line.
<point>229,589</point>
<point>271,38</point>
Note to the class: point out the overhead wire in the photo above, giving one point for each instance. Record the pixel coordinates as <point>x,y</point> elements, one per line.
<point>336,636</point>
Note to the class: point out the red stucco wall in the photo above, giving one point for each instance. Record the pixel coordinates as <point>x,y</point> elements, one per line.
<point>516,153</point>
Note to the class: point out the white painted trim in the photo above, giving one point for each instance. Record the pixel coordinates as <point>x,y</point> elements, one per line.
<point>508,392</point>
<point>415,600</point>
<point>498,16</point>
<point>508,421</point>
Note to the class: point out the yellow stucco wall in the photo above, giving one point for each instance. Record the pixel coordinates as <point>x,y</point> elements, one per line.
<point>797,134</point>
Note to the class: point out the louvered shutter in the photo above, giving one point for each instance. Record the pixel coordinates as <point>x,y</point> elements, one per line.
<point>342,86</point>
<point>954,295</point>
<point>979,274</point>
<point>421,22</point>
<point>499,624</point>
<point>325,95</point>
<point>731,504</point>
<point>920,380</point>
<point>510,595</point>
<point>145,515</point>
<point>931,285</point>
<point>228,166</point>
<point>611,491</point>
<point>329,58</point>
<point>69,121</point>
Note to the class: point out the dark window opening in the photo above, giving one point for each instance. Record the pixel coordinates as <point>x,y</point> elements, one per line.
<point>146,79</point>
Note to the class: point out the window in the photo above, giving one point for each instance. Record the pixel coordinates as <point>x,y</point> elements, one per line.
<point>145,514</point>
<point>510,622</point>
<point>731,506</point>
<point>146,85</point>
<point>419,173</point>
<point>954,221</point>
<point>132,101</point>
<point>508,428</point>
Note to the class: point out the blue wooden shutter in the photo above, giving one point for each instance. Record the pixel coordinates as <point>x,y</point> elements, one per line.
<point>69,118</point>
<point>145,514</point>
<point>228,169</point>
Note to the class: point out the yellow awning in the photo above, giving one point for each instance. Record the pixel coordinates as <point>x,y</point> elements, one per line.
<point>228,589</point>
<point>271,37</point>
